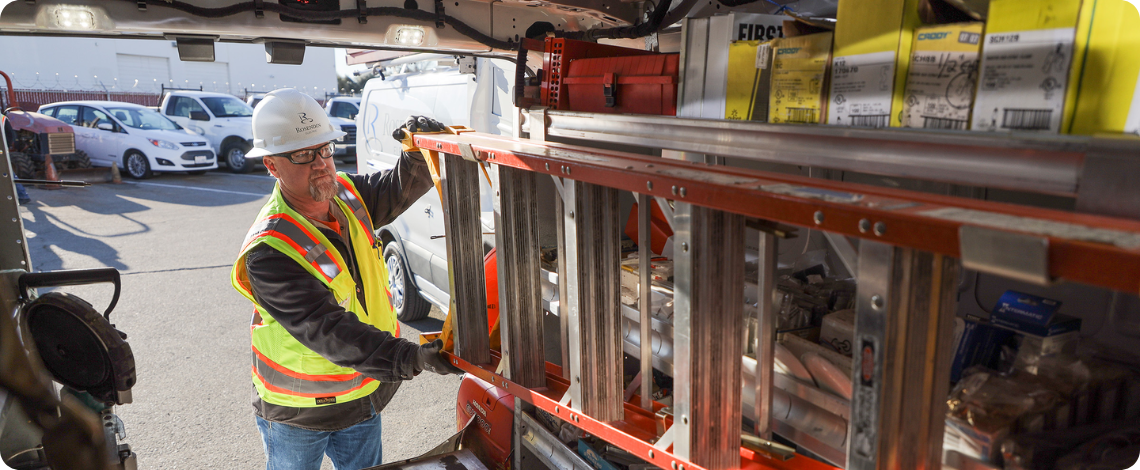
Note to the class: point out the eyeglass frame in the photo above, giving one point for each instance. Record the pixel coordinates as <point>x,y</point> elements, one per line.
<point>331,146</point>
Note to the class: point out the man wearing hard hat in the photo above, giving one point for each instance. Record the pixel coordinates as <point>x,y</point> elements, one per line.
<point>327,353</point>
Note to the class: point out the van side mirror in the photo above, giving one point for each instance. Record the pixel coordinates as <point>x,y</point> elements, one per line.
<point>199,116</point>
<point>106,126</point>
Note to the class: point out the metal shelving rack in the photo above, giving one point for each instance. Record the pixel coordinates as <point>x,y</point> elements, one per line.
<point>912,246</point>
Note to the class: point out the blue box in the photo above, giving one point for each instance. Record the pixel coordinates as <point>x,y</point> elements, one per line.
<point>593,457</point>
<point>1032,315</point>
<point>979,343</point>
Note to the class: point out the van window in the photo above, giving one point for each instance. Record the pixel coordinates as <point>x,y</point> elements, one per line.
<point>228,107</point>
<point>93,117</point>
<point>183,106</point>
<point>344,110</point>
<point>68,114</point>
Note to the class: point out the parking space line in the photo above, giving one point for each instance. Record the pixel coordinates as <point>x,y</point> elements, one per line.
<point>201,189</point>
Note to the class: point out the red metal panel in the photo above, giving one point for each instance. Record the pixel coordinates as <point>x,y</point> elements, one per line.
<point>910,219</point>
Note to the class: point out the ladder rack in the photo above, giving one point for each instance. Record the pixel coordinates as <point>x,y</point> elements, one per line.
<point>911,250</point>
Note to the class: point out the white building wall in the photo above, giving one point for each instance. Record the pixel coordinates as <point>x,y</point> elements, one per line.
<point>86,64</point>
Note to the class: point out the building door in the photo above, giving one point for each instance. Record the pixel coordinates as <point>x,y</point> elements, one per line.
<point>143,73</point>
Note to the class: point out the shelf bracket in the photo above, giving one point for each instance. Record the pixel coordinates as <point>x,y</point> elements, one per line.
<point>1013,255</point>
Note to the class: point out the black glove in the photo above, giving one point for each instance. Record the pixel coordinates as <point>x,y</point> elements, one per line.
<point>403,133</point>
<point>428,358</point>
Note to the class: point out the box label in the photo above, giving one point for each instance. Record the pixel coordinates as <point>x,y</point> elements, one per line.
<point>861,88</point>
<point>1023,80</point>
<point>941,79</point>
<point>799,71</point>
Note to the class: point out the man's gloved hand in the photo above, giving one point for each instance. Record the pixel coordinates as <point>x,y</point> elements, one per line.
<point>428,358</point>
<point>403,134</point>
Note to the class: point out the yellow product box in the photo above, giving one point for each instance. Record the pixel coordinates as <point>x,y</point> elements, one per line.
<point>749,81</point>
<point>799,79</point>
<point>871,55</point>
<point>1106,67</point>
<point>942,75</point>
<point>1126,53</point>
<point>1027,57</point>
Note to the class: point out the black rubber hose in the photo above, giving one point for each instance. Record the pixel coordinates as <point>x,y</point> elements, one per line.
<point>418,15</point>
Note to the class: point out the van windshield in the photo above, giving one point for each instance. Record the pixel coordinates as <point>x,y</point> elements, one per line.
<point>227,107</point>
<point>143,118</point>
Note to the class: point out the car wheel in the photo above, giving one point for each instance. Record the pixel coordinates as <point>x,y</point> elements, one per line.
<point>81,160</point>
<point>234,154</point>
<point>136,165</point>
<point>406,300</point>
<point>22,165</point>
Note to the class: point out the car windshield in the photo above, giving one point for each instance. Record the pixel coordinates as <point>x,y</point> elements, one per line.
<point>143,118</point>
<point>227,107</point>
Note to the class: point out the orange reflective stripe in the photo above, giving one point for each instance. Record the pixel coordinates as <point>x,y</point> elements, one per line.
<point>287,229</point>
<point>353,199</point>
<point>309,377</point>
<point>276,389</point>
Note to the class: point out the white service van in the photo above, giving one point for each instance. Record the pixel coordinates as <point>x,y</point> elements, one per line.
<point>415,251</point>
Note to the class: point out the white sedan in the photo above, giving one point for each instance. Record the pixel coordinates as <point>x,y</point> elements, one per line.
<point>139,139</point>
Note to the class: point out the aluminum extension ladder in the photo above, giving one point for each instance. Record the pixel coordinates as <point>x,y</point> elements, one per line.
<point>908,261</point>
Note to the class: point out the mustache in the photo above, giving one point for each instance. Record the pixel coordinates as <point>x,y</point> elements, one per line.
<point>320,174</point>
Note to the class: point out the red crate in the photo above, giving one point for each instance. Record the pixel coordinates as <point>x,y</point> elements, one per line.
<point>559,54</point>
<point>645,84</point>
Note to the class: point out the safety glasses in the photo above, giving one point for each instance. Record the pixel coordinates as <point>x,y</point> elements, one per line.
<point>306,156</point>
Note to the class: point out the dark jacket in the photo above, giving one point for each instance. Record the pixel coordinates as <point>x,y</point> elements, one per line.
<point>308,310</point>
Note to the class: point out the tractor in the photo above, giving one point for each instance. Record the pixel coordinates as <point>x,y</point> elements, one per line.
<point>33,138</point>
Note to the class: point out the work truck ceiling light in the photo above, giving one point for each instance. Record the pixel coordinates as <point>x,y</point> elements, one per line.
<point>73,18</point>
<point>409,35</point>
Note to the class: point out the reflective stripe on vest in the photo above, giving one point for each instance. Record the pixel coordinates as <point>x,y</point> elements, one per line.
<point>285,228</point>
<point>348,194</point>
<point>282,380</point>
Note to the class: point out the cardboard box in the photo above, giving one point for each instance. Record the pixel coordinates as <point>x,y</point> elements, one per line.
<point>1105,81</point>
<point>704,77</point>
<point>1026,62</point>
<point>871,57</point>
<point>749,81</point>
<point>799,79</point>
<point>1033,315</point>
<point>942,76</point>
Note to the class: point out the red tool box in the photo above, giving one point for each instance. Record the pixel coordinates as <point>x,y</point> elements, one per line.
<point>583,76</point>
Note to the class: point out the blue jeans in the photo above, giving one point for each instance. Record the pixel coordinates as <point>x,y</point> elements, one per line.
<point>292,448</point>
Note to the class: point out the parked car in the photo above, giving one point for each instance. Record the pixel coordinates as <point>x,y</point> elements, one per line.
<point>254,98</point>
<point>139,139</point>
<point>414,252</point>
<point>342,111</point>
<point>225,121</point>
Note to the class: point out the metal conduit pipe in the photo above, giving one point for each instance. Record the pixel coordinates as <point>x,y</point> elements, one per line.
<point>798,413</point>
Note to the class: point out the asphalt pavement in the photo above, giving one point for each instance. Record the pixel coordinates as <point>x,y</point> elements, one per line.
<point>174,238</point>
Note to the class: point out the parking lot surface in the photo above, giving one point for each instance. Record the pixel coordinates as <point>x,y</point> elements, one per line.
<point>174,238</point>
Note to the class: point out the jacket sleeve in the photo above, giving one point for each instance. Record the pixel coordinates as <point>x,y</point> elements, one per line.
<point>389,193</point>
<point>309,312</point>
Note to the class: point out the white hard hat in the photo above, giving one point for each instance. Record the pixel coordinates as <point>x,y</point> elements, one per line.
<point>288,120</point>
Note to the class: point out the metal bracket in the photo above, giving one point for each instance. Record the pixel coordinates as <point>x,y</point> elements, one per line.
<point>666,439</point>
<point>1013,255</point>
<point>362,11</point>
<point>609,89</point>
<point>467,152</point>
<point>141,4</point>
<point>259,8</point>
<point>439,15</point>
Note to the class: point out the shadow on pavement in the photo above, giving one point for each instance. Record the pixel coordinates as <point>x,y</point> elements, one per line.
<point>50,232</point>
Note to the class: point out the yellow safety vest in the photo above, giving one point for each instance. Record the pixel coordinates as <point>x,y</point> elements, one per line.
<point>285,372</point>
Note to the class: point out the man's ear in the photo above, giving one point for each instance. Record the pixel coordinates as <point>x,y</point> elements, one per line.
<point>270,165</point>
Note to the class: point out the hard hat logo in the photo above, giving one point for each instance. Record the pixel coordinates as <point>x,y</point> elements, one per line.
<point>287,121</point>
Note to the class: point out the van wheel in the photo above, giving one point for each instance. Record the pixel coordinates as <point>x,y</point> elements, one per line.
<point>136,165</point>
<point>234,153</point>
<point>406,300</point>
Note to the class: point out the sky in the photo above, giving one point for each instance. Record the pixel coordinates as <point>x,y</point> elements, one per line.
<point>344,69</point>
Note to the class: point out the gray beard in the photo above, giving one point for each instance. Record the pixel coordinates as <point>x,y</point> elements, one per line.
<point>321,191</point>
